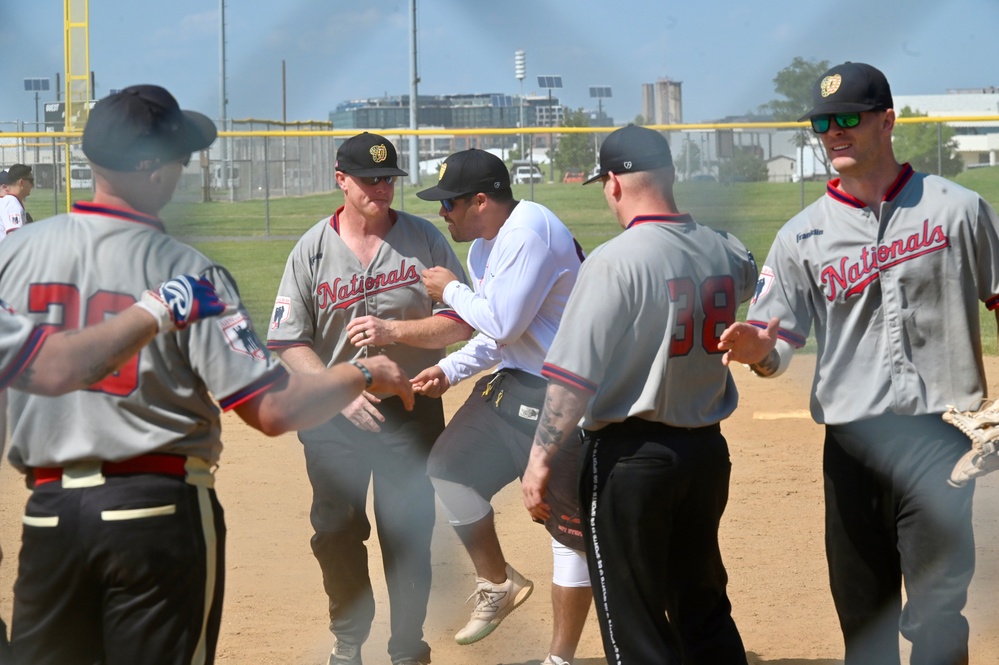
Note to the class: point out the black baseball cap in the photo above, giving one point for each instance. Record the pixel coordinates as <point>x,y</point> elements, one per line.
<point>368,155</point>
<point>852,86</point>
<point>631,149</point>
<point>468,172</point>
<point>18,171</point>
<point>142,127</point>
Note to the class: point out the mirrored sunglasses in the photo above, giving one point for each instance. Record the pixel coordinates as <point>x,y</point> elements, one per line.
<point>820,123</point>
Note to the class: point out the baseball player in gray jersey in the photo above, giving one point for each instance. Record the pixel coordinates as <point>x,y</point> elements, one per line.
<point>123,543</point>
<point>351,288</point>
<point>36,361</point>
<point>636,363</point>
<point>524,262</point>
<point>889,266</point>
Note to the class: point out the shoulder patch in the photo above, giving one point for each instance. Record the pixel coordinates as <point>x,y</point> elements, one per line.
<point>282,310</point>
<point>241,337</point>
<point>764,283</point>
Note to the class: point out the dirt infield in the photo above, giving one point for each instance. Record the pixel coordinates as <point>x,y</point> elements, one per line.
<point>772,533</point>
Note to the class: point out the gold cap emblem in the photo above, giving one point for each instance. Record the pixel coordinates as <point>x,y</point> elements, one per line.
<point>379,153</point>
<point>830,84</point>
<point>440,175</point>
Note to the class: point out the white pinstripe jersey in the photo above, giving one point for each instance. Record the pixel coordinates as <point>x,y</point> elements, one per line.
<point>894,304</point>
<point>325,286</point>
<point>77,269</point>
<point>641,328</point>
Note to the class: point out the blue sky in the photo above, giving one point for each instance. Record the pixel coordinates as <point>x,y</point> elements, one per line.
<point>725,53</point>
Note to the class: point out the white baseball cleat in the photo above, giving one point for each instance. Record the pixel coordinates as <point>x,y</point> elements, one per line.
<point>973,464</point>
<point>345,653</point>
<point>554,660</point>
<point>492,603</point>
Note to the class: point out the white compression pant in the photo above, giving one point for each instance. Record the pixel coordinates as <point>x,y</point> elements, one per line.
<point>569,566</point>
<point>462,504</point>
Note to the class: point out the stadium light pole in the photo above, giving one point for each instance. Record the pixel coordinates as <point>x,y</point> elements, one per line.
<point>550,82</point>
<point>35,85</point>
<point>520,71</point>
<point>414,104</point>
<point>600,92</point>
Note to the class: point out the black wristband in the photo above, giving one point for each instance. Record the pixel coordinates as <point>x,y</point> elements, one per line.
<point>368,377</point>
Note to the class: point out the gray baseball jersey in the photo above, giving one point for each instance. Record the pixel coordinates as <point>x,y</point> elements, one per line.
<point>894,304</point>
<point>641,328</point>
<point>77,269</point>
<point>325,286</point>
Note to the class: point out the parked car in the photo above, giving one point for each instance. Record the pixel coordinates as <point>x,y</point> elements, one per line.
<point>525,174</point>
<point>574,176</point>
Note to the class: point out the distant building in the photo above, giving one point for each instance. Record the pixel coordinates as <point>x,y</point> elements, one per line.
<point>977,142</point>
<point>463,111</point>
<point>662,102</point>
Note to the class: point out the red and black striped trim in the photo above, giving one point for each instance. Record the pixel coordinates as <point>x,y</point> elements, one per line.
<point>677,218</point>
<point>904,176</point>
<point>550,371</point>
<point>261,385</point>
<point>24,357</point>
<point>795,340</point>
<point>89,208</point>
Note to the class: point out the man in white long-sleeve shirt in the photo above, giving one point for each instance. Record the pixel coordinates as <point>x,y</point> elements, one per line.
<point>523,263</point>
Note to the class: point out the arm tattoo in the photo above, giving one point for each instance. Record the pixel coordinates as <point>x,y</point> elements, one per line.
<point>549,435</point>
<point>768,365</point>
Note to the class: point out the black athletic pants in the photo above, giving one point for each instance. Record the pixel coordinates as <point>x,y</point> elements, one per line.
<point>892,519</point>
<point>652,497</point>
<point>129,571</point>
<point>341,461</point>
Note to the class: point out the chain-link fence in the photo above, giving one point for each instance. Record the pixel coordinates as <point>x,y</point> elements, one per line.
<point>259,159</point>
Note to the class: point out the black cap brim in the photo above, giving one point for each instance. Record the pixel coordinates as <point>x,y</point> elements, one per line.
<point>837,107</point>
<point>438,194</point>
<point>375,172</point>
<point>594,178</point>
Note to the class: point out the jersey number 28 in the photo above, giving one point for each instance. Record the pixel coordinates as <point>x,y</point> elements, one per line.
<point>43,298</point>
<point>716,296</point>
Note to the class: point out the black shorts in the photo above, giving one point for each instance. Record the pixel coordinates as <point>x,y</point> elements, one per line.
<point>487,443</point>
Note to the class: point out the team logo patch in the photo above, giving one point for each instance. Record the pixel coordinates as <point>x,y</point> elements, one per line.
<point>764,283</point>
<point>528,412</point>
<point>440,174</point>
<point>379,153</point>
<point>282,310</point>
<point>627,165</point>
<point>241,337</point>
<point>830,85</point>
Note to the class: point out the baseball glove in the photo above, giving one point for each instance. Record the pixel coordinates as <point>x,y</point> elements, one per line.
<point>982,427</point>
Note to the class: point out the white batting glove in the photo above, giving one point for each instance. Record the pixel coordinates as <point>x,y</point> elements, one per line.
<point>180,301</point>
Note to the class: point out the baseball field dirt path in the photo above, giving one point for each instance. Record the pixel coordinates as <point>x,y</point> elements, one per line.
<point>275,611</point>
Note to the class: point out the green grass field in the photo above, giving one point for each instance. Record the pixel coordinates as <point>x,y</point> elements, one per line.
<point>238,235</point>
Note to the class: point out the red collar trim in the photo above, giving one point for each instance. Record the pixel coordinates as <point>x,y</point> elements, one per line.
<point>335,219</point>
<point>90,208</point>
<point>904,176</point>
<point>676,218</point>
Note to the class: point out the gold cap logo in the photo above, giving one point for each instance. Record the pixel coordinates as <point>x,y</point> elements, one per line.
<point>379,153</point>
<point>830,84</point>
<point>440,175</point>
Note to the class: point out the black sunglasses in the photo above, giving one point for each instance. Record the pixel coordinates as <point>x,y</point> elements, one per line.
<point>448,204</point>
<point>374,180</point>
<point>820,123</point>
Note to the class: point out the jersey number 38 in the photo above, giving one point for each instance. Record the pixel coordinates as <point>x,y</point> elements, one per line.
<point>716,296</point>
